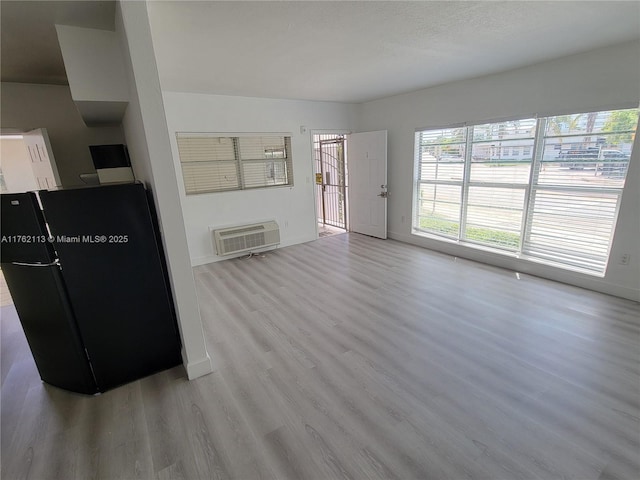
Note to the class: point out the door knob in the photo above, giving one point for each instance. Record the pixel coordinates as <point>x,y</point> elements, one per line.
<point>383,194</point>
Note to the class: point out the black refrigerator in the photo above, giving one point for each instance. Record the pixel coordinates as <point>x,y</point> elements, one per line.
<point>87,275</point>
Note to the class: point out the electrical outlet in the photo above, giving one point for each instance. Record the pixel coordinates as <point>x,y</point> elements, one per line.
<point>625,258</point>
<point>402,219</point>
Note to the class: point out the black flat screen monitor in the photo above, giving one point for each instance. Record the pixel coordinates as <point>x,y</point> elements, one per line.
<point>109,156</point>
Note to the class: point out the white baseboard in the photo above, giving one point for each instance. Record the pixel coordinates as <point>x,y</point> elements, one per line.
<point>520,265</point>
<point>204,260</point>
<point>197,368</point>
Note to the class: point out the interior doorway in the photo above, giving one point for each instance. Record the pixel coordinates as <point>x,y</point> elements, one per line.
<point>330,153</point>
<point>27,162</point>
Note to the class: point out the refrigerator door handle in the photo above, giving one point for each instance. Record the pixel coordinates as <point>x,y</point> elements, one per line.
<point>55,263</point>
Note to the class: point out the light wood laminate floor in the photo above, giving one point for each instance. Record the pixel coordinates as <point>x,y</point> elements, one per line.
<point>355,358</point>
<point>5,296</point>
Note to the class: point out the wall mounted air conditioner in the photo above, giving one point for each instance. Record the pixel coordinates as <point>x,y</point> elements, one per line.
<point>245,238</point>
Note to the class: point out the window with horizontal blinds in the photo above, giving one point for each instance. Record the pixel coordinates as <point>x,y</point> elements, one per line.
<point>547,189</point>
<point>440,174</point>
<point>213,163</point>
<point>575,193</point>
<point>573,228</point>
<point>497,182</point>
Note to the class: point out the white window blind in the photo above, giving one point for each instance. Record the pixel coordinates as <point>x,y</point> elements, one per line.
<point>212,163</point>
<point>548,189</point>
<point>440,175</point>
<point>497,182</point>
<point>576,191</point>
<point>573,228</point>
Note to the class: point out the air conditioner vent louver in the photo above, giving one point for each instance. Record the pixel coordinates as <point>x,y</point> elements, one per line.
<point>235,231</point>
<point>246,237</point>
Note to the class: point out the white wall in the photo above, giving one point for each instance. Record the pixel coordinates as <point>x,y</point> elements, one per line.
<point>95,71</point>
<point>93,62</point>
<point>27,106</point>
<point>148,141</point>
<point>601,79</point>
<point>292,207</point>
<point>16,166</point>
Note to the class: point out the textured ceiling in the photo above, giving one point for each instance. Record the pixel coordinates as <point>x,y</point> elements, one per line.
<point>29,50</point>
<point>357,51</point>
<point>339,51</point>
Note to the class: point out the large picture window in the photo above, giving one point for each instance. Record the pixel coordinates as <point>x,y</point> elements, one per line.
<point>211,163</point>
<point>547,189</point>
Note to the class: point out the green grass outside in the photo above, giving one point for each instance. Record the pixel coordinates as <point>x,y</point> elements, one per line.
<point>478,234</point>
<point>439,225</point>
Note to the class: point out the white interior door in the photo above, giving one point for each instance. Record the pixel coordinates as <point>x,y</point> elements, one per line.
<point>367,164</point>
<point>43,162</point>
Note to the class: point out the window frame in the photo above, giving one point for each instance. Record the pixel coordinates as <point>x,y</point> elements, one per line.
<point>240,161</point>
<point>538,149</point>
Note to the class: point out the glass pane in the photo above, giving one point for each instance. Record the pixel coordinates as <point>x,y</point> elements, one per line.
<point>502,162</point>
<point>209,176</point>
<point>512,129</point>
<point>448,171</point>
<point>263,174</point>
<point>601,171</point>
<point>442,136</point>
<point>441,154</point>
<point>621,121</point>
<point>439,209</point>
<point>502,152</point>
<point>588,149</point>
<point>494,216</point>
<point>262,147</point>
<point>449,153</point>
<point>205,148</point>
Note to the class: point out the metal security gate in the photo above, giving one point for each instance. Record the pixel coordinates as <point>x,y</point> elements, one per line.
<point>331,180</point>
